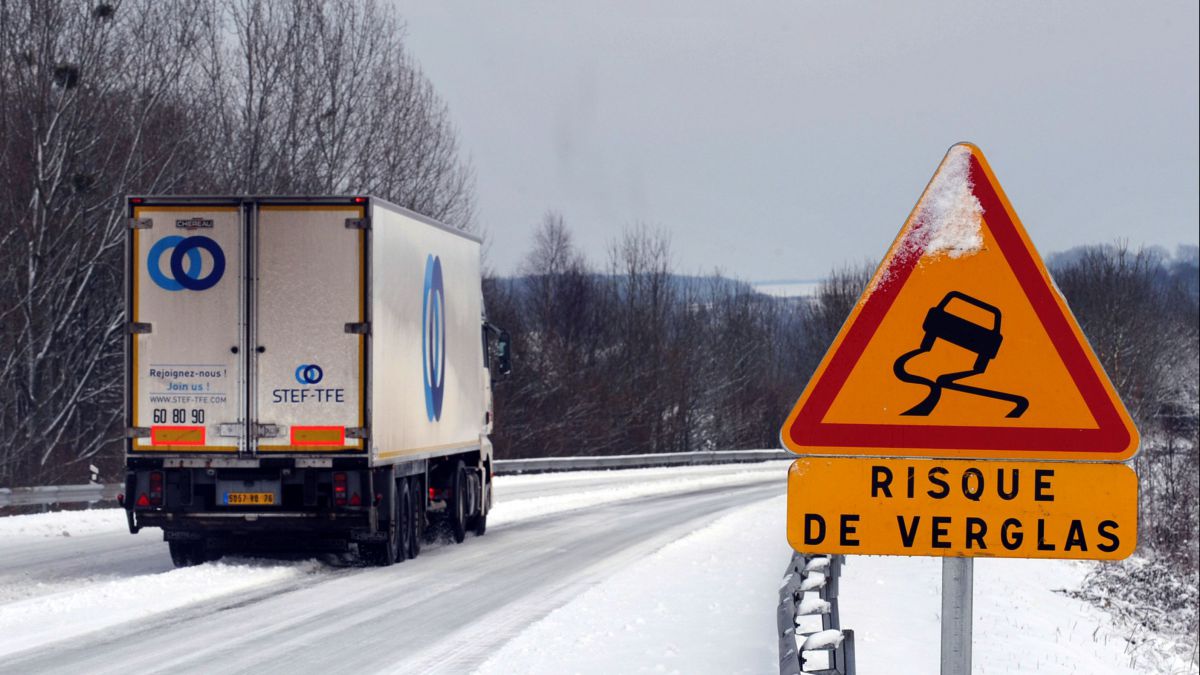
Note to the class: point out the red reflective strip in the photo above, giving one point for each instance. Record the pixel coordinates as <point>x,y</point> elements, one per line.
<point>176,435</point>
<point>318,435</point>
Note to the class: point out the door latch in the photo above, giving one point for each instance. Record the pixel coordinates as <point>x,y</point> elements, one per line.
<point>267,431</point>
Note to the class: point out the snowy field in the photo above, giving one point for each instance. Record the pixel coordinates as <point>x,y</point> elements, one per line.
<point>658,570</point>
<point>789,288</point>
<point>1023,623</point>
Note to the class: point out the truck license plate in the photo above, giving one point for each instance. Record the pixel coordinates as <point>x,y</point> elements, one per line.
<point>249,498</point>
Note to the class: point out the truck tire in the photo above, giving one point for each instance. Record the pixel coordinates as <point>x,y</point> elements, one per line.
<point>386,552</point>
<point>479,525</point>
<point>478,522</point>
<point>186,553</point>
<point>418,519</point>
<point>458,510</point>
<point>405,523</point>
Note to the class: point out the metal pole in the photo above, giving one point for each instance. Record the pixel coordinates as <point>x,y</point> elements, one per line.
<point>958,580</point>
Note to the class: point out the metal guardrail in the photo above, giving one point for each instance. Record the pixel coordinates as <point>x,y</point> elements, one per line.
<point>58,494</point>
<point>545,464</point>
<point>97,492</point>
<point>811,639</point>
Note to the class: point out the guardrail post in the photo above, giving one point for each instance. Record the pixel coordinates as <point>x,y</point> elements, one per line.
<point>847,651</point>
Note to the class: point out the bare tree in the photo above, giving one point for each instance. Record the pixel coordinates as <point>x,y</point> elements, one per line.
<point>1142,322</point>
<point>319,96</point>
<point>83,118</point>
<point>100,100</point>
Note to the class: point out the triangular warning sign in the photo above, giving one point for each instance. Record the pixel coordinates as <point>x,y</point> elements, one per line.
<point>961,346</point>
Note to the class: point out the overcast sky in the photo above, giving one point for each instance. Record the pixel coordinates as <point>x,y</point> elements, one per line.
<point>776,140</point>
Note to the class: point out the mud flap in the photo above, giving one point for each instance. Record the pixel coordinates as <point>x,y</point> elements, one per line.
<point>133,526</point>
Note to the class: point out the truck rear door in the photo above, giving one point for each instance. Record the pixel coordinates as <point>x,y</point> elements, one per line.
<point>309,328</point>
<point>186,377</point>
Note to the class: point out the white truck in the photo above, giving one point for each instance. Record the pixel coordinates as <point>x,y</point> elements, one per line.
<point>304,374</point>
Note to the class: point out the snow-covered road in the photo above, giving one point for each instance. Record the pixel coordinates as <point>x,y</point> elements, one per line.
<point>79,594</point>
<point>670,570</point>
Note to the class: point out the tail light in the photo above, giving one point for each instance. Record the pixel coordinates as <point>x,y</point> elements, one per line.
<point>156,488</point>
<point>355,500</point>
<point>339,488</point>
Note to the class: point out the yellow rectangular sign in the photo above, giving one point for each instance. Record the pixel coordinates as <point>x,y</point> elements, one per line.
<point>982,508</point>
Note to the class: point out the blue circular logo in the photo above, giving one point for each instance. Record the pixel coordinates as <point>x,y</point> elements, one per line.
<point>185,277</point>
<point>309,373</point>
<point>433,337</point>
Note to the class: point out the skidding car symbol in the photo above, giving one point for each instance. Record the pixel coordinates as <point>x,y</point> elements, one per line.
<point>940,324</point>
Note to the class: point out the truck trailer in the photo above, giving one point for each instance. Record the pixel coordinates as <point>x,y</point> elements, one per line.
<point>304,373</point>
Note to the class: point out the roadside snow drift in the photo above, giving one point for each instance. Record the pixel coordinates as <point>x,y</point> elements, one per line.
<point>704,604</point>
<point>34,622</point>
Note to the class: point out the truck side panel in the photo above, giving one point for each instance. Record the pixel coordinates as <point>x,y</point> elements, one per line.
<point>186,370</point>
<point>426,338</point>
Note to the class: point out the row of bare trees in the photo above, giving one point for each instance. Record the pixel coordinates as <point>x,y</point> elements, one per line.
<point>1139,311</point>
<point>629,357</point>
<point>103,99</point>
<point>632,358</point>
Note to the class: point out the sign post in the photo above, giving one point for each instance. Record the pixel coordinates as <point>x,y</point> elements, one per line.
<point>960,411</point>
<point>958,583</point>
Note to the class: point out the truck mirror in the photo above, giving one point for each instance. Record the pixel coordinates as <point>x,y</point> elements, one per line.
<point>503,354</point>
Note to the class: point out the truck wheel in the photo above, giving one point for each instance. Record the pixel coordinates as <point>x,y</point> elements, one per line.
<point>186,553</point>
<point>387,552</point>
<point>418,518</point>
<point>458,510</point>
<point>478,523</point>
<point>404,524</point>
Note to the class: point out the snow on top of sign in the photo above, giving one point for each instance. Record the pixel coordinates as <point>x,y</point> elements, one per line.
<point>949,218</point>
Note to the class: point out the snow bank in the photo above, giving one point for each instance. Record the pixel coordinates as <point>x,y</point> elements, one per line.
<point>62,524</point>
<point>703,604</point>
<point>35,622</point>
<point>1022,624</point>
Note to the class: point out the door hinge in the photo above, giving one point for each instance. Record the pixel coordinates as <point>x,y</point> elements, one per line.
<point>141,223</point>
<point>358,224</point>
<point>267,431</point>
<point>137,432</point>
<point>138,328</point>
<point>356,432</point>
<point>360,328</point>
